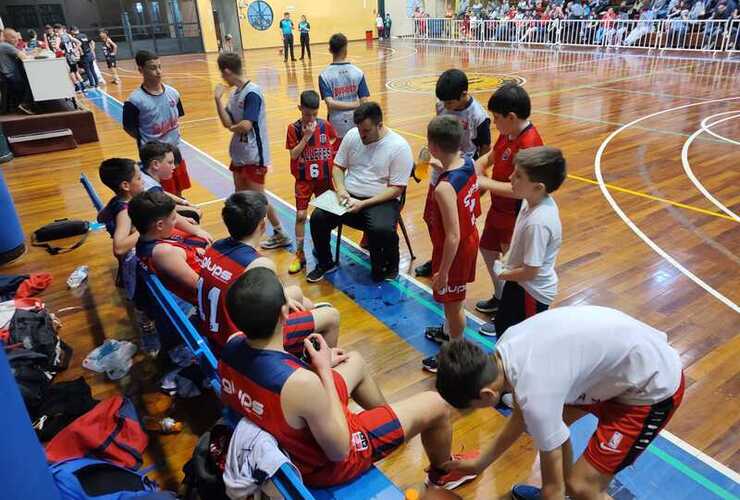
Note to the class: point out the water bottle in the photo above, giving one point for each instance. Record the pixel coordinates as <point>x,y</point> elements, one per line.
<point>77,277</point>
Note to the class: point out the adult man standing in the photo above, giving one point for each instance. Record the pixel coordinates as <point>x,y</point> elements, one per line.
<point>152,113</point>
<point>372,169</point>
<point>560,365</point>
<point>286,28</point>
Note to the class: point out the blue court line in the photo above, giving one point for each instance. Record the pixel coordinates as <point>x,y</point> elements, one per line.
<point>406,308</point>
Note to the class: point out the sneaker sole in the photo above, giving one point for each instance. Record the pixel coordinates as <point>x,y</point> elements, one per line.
<point>322,276</point>
<point>427,369</point>
<point>486,310</point>
<point>436,340</point>
<point>273,247</point>
<point>452,485</point>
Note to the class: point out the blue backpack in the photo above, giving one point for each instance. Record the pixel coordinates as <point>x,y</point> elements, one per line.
<point>93,479</point>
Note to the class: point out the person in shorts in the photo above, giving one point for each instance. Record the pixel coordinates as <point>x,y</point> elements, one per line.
<point>110,51</point>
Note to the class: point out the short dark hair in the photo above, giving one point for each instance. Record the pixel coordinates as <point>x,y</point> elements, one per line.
<point>115,171</point>
<point>73,29</point>
<point>146,208</point>
<point>543,164</point>
<point>230,61</point>
<point>57,26</point>
<point>154,150</point>
<point>100,32</point>
<point>243,212</point>
<point>337,42</point>
<point>144,56</point>
<point>367,110</point>
<point>31,34</point>
<point>451,84</point>
<point>310,99</point>
<point>464,369</point>
<point>254,302</point>
<point>510,98</point>
<point>446,132</point>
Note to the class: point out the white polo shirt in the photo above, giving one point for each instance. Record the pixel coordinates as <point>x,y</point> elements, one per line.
<point>582,355</point>
<point>370,169</point>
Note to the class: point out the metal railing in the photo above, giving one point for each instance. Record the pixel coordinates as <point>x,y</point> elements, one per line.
<point>649,34</point>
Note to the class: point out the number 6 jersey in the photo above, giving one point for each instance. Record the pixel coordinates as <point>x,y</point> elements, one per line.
<point>316,160</point>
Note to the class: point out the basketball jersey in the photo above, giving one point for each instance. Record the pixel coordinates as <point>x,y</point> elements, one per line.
<point>107,50</point>
<point>504,209</point>
<point>110,212</point>
<point>316,160</point>
<point>252,148</point>
<point>251,383</point>
<point>465,182</point>
<point>470,118</point>
<point>189,243</point>
<point>222,263</point>
<point>158,115</point>
<point>344,82</point>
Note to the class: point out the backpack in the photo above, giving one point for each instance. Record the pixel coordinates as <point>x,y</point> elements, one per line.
<point>111,431</point>
<point>204,471</point>
<point>92,479</point>
<point>35,331</point>
<point>30,376</point>
<point>64,402</point>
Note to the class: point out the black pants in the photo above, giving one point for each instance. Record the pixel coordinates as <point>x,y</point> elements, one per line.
<point>87,64</point>
<point>516,306</point>
<point>305,45</point>
<point>379,224</point>
<point>288,44</point>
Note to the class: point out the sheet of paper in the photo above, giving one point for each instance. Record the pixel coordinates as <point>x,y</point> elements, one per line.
<point>328,201</point>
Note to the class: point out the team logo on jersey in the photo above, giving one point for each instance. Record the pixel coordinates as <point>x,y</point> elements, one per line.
<point>477,82</point>
<point>359,441</point>
<point>614,442</point>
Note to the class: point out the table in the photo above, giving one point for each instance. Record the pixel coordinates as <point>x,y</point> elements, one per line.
<point>49,79</point>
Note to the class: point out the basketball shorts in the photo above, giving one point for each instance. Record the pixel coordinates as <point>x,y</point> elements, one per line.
<point>625,431</point>
<point>111,62</point>
<point>452,293</point>
<point>180,180</point>
<point>374,434</point>
<point>516,306</point>
<point>307,188</point>
<point>73,67</point>
<point>497,231</point>
<point>299,326</point>
<point>248,174</point>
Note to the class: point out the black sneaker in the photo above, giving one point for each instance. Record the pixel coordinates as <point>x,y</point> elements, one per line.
<point>390,275</point>
<point>488,329</point>
<point>436,334</point>
<point>489,306</point>
<point>429,364</point>
<point>319,272</point>
<point>424,270</point>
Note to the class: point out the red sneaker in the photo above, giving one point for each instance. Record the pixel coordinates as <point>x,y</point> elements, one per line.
<point>452,479</point>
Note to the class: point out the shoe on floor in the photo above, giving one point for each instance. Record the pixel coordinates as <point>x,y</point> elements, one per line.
<point>525,492</point>
<point>25,108</point>
<point>453,479</point>
<point>277,240</point>
<point>319,272</point>
<point>424,270</point>
<point>297,265</point>
<point>430,364</point>
<point>436,334</point>
<point>487,329</point>
<point>489,306</point>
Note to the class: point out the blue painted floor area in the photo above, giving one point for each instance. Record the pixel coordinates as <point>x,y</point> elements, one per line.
<point>665,471</point>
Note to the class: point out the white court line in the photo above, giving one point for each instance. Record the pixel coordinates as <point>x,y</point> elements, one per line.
<point>719,466</point>
<point>687,166</point>
<point>211,202</point>
<point>709,131</point>
<point>617,209</point>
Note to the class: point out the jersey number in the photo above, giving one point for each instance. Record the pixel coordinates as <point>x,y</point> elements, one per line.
<point>314,171</point>
<point>212,298</point>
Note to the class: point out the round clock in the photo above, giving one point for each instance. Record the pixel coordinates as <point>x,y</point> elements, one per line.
<point>260,15</point>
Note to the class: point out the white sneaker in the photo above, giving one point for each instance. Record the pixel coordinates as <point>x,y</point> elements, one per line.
<point>508,400</point>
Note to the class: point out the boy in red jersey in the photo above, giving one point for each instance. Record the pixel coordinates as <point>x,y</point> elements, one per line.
<point>510,107</point>
<point>244,215</point>
<point>310,142</point>
<point>305,407</point>
<point>454,209</point>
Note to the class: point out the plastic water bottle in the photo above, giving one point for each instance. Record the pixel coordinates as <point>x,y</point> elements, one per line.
<point>77,277</point>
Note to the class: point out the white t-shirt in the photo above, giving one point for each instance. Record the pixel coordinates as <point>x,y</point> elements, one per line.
<point>582,355</point>
<point>536,242</point>
<point>372,168</point>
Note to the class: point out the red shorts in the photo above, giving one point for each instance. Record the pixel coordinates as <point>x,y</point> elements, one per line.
<point>497,232</point>
<point>374,434</point>
<point>300,325</point>
<point>307,188</point>
<point>453,293</point>
<point>625,431</point>
<point>243,174</point>
<point>180,180</point>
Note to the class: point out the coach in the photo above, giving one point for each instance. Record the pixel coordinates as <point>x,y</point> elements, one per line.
<point>373,168</point>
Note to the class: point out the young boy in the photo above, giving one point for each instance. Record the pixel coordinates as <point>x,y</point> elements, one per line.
<point>510,107</point>
<point>175,257</point>
<point>123,177</point>
<point>454,209</point>
<point>310,141</point>
<point>245,117</point>
<point>110,50</point>
<point>244,215</point>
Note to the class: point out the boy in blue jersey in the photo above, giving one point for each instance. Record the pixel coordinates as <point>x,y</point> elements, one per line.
<point>123,177</point>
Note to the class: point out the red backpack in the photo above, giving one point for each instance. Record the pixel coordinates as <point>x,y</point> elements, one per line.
<point>111,431</point>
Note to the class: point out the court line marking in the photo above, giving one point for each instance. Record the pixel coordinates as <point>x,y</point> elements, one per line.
<point>210,202</point>
<point>671,437</point>
<point>687,166</point>
<point>625,91</point>
<point>709,131</point>
<point>618,210</point>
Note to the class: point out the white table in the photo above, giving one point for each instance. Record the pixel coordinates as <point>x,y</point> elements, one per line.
<point>49,79</point>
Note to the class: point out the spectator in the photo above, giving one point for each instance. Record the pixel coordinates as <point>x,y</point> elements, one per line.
<point>387,23</point>
<point>716,26</point>
<point>286,28</point>
<point>305,28</point>
<point>33,40</point>
<point>380,25</point>
<point>50,38</point>
<point>11,68</point>
<point>373,166</point>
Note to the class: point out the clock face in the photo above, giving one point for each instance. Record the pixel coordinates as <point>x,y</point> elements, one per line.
<point>260,15</point>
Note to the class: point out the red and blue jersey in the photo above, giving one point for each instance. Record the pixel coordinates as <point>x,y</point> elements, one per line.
<point>110,212</point>
<point>465,182</point>
<point>317,159</point>
<point>223,263</point>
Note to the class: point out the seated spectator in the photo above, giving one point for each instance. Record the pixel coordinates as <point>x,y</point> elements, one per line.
<point>304,405</point>
<point>244,215</point>
<point>12,72</point>
<point>174,256</point>
<point>372,169</point>
<point>716,25</point>
<point>33,40</point>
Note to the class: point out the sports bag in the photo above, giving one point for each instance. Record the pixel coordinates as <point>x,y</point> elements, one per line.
<point>35,330</point>
<point>62,228</point>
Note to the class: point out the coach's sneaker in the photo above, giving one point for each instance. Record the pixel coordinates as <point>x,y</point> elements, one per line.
<point>487,329</point>
<point>319,272</point>
<point>436,334</point>
<point>430,364</point>
<point>424,270</point>
<point>277,240</point>
<point>489,306</point>
<point>525,492</point>
<point>453,479</point>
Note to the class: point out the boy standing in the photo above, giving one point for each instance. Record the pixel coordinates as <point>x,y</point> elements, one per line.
<point>454,209</point>
<point>310,142</point>
<point>245,117</point>
<point>110,50</point>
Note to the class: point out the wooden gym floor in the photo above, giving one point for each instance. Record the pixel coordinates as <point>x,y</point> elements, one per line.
<point>649,216</point>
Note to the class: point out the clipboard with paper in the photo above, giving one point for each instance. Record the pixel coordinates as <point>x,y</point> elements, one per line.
<point>328,201</point>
